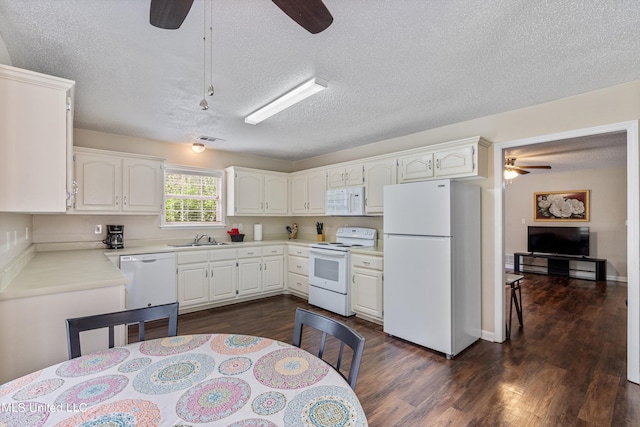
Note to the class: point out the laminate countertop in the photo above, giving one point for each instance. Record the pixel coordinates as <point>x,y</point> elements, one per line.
<point>57,271</point>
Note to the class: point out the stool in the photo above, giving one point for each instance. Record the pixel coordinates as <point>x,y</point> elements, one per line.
<point>513,281</point>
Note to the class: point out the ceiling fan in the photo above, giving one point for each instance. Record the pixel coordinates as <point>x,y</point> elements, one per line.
<point>511,170</point>
<point>312,15</point>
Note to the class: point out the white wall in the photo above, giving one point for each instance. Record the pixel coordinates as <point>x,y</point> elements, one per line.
<point>608,202</point>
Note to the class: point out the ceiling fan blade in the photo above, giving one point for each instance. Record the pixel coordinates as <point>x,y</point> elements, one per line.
<point>169,14</point>
<point>312,15</point>
<point>535,167</point>
<point>520,171</point>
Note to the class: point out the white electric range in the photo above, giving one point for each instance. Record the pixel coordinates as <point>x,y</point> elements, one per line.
<point>329,268</point>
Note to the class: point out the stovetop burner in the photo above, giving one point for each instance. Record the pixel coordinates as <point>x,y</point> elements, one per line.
<point>350,237</point>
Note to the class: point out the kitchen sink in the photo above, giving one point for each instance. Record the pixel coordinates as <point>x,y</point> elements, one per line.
<point>193,245</point>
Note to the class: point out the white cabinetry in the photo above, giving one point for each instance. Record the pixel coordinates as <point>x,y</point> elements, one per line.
<point>298,270</point>
<point>273,268</point>
<point>249,271</point>
<point>36,131</point>
<point>109,182</point>
<point>367,282</point>
<point>346,176</point>
<point>415,167</point>
<point>256,192</point>
<point>193,278</point>
<point>223,275</point>
<point>455,162</point>
<point>223,266</point>
<point>308,191</point>
<point>377,174</point>
<point>457,159</point>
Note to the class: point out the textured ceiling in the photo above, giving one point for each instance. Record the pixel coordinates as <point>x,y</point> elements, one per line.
<point>394,67</point>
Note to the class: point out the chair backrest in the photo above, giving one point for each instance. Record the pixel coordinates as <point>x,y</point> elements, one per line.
<point>109,320</point>
<point>342,332</point>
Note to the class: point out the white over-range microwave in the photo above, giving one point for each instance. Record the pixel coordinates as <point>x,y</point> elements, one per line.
<point>345,201</point>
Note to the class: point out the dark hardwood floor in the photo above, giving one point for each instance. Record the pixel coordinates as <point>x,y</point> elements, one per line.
<point>565,367</point>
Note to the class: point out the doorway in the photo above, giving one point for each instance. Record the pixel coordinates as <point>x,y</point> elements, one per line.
<point>633,227</point>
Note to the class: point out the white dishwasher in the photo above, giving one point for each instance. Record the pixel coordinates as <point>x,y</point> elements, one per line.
<point>152,279</point>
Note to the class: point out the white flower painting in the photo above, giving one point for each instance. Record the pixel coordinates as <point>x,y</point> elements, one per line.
<point>562,206</point>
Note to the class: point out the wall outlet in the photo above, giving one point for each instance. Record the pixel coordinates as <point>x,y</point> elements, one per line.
<point>239,227</point>
<point>97,229</point>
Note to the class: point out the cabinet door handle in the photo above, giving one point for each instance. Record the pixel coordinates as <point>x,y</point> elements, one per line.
<point>265,266</point>
<point>353,278</point>
<point>430,164</point>
<point>124,199</point>
<point>206,274</point>
<point>117,201</point>
<point>366,262</point>
<point>266,205</point>
<point>437,163</point>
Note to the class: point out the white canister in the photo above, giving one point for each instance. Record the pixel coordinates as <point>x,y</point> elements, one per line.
<point>257,232</point>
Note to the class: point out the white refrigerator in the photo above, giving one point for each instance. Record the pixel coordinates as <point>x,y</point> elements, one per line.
<point>432,264</point>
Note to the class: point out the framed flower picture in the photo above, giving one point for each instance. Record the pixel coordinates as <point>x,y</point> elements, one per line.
<point>561,206</point>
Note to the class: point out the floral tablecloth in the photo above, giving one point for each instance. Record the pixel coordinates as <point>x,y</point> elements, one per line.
<point>214,379</point>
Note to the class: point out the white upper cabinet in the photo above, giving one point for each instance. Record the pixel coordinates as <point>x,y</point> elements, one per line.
<point>455,162</point>
<point>117,182</point>
<point>415,167</point>
<point>346,176</point>
<point>377,174</point>
<point>256,192</point>
<point>276,190</point>
<point>465,158</point>
<point>308,191</point>
<point>36,141</point>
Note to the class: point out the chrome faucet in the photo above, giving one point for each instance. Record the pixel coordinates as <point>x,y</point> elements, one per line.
<point>199,236</point>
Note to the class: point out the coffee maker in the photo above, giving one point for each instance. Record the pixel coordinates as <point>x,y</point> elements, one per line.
<point>115,237</point>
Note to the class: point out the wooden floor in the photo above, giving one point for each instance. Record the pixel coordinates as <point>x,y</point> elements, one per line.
<point>565,367</point>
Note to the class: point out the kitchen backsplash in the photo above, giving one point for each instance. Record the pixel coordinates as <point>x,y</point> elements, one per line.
<point>80,228</point>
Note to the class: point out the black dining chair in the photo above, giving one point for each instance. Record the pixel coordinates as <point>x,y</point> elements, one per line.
<point>109,320</point>
<point>342,332</point>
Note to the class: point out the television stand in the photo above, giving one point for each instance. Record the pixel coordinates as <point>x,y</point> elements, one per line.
<point>578,267</point>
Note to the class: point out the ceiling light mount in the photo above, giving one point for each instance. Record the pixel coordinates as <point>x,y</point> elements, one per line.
<point>295,95</point>
<point>198,147</point>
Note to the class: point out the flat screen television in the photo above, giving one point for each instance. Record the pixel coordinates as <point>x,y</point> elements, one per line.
<point>558,240</point>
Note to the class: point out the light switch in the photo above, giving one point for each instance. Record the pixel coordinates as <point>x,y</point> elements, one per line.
<point>97,229</point>
<point>524,221</point>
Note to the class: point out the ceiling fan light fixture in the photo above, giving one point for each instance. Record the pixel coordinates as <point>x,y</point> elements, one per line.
<point>295,95</point>
<point>510,174</point>
<point>198,147</point>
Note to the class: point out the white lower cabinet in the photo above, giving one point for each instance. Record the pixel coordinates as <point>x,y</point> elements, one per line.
<point>223,267</point>
<point>273,270</point>
<point>298,270</point>
<point>193,278</point>
<point>249,271</point>
<point>367,282</point>
<point>225,275</point>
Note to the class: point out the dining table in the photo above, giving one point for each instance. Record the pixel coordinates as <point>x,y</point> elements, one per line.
<point>187,380</point>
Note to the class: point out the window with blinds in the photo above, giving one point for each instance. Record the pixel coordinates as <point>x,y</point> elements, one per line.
<point>192,197</point>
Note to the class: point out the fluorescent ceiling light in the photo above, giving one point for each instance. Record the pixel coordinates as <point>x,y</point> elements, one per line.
<point>290,98</point>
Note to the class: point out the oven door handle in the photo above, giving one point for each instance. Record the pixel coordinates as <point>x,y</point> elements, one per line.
<point>327,253</point>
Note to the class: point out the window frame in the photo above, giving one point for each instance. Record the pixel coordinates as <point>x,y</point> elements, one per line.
<point>189,170</point>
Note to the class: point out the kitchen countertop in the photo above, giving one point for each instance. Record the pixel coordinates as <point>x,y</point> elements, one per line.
<point>56,271</point>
